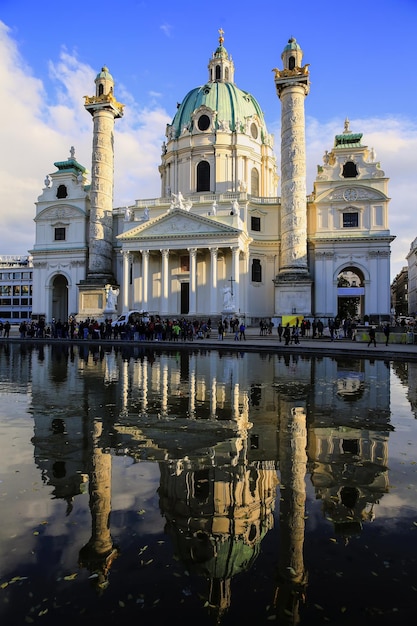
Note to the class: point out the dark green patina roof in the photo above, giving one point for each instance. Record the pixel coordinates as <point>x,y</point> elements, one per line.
<point>70,165</point>
<point>230,102</point>
<point>348,140</point>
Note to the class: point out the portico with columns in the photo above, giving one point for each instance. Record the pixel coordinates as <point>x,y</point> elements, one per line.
<point>180,263</point>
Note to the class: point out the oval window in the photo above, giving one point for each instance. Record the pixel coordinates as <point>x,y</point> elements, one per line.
<point>203,122</point>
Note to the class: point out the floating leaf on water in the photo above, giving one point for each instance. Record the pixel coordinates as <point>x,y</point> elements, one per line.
<point>93,576</point>
<point>71,576</point>
<point>141,512</point>
<point>121,603</point>
<point>333,539</point>
<point>343,609</point>
<point>374,574</point>
<point>320,608</point>
<point>4,585</point>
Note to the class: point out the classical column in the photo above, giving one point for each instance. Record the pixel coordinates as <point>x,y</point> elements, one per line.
<point>164,286</point>
<point>213,281</point>
<point>236,276</point>
<point>193,281</point>
<point>145,279</point>
<point>126,276</point>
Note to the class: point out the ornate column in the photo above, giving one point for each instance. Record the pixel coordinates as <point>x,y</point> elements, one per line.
<point>104,109</point>
<point>164,286</point>
<point>213,280</point>
<point>145,279</point>
<point>293,281</point>
<point>193,281</point>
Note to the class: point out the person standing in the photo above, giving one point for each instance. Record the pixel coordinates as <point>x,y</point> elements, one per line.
<point>387,331</point>
<point>280,331</point>
<point>242,329</point>
<point>287,334</point>
<point>372,336</point>
<point>220,330</point>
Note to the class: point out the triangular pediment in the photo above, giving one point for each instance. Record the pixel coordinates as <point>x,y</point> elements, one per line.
<point>179,224</point>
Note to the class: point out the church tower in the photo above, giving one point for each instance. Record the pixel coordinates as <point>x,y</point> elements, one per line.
<point>293,283</point>
<point>104,109</point>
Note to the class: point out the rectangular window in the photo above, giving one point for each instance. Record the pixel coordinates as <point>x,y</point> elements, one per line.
<point>255,223</point>
<point>350,220</point>
<point>17,275</point>
<point>256,271</point>
<point>60,234</point>
<point>16,290</point>
<point>185,263</point>
<point>5,302</point>
<point>5,290</point>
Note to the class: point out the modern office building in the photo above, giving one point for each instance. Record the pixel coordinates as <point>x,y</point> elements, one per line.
<point>16,277</point>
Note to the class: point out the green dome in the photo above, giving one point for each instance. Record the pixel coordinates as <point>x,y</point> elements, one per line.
<point>292,45</point>
<point>104,74</point>
<point>230,102</point>
<point>221,53</point>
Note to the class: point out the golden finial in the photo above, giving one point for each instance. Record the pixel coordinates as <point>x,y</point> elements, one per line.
<point>221,38</point>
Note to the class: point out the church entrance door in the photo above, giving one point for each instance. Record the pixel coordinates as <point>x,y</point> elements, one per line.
<point>60,298</point>
<point>185,298</point>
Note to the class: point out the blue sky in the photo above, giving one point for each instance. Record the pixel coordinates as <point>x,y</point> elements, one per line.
<point>361,59</point>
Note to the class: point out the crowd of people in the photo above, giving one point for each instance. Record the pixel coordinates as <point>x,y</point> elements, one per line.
<point>152,329</point>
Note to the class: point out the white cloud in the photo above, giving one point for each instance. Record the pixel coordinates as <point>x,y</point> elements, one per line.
<point>166,29</point>
<point>41,127</point>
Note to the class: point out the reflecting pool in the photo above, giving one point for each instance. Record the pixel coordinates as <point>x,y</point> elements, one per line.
<point>150,486</point>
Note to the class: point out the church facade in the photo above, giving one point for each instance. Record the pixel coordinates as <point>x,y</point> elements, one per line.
<point>219,241</point>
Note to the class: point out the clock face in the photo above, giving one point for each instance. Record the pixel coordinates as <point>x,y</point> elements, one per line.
<point>350,194</point>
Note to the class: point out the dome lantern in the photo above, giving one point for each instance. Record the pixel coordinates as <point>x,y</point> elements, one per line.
<point>221,67</point>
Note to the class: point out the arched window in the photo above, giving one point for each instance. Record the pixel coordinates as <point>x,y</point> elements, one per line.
<point>256,271</point>
<point>100,90</point>
<point>254,182</point>
<point>218,69</point>
<point>203,176</point>
<point>291,63</point>
<point>349,170</point>
<point>61,192</point>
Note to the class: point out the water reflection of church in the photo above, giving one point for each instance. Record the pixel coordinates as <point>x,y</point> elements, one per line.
<point>229,434</point>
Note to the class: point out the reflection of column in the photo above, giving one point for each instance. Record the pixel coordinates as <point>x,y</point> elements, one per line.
<point>164,389</point>
<point>236,276</point>
<point>213,397</point>
<point>164,291</point>
<point>145,279</point>
<point>126,276</point>
<point>99,553</point>
<point>292,577</point>
<point>235,401</point>
<point>213,281</point>
<point>145,386</point>
<point>193,281</point>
